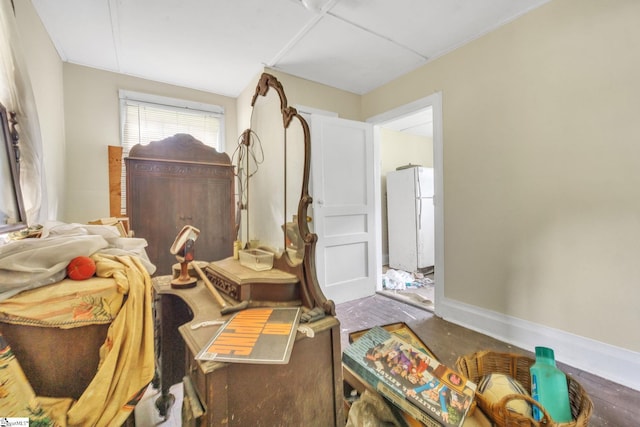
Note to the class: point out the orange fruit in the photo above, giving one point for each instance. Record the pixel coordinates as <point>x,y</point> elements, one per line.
<point>81,268</point>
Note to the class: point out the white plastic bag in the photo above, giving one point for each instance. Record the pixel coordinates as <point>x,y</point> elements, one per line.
<point>396,279</point>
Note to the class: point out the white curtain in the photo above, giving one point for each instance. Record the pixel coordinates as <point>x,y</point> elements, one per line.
<point>17,96</point>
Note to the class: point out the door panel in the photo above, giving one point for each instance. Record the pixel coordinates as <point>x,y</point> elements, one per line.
<point>346,224</point>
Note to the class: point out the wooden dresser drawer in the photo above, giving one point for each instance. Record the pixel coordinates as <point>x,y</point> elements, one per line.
<point>239,394</point>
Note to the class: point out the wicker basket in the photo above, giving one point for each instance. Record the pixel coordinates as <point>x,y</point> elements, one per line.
<point>476,365</point>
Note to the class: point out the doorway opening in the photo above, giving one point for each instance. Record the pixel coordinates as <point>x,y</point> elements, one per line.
<point>410,137</point>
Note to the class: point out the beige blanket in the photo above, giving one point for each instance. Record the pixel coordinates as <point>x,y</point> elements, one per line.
<point>66,304</point>
<point>126,359</point>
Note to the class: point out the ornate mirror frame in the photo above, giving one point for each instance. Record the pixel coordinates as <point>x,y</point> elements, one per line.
<point>12,212</point>
<point>311,293</point>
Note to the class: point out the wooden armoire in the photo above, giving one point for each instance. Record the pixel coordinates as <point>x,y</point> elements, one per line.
<point>175,182</point>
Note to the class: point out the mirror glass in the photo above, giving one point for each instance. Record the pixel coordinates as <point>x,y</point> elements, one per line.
<point>274,171</point>
<point>265,166</point>
<point>12,215</point>
<point>294,169</point>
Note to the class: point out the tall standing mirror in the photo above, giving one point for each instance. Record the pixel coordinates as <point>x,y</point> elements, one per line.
<point>12,213</point>
<point>273,173</point>
<point>274,177</point>
<point>263,169</point>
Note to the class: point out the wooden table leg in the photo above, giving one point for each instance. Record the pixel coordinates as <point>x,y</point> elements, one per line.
<point>170,312</point>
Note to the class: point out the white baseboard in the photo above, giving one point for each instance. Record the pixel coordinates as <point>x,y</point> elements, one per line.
<point>616,364</point>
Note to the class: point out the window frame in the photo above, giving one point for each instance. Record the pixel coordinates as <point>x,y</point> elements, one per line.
<point>171,104</point>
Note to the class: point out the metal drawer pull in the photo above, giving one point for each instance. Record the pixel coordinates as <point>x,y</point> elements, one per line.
<point>306,330</point>
<point>207,323</point>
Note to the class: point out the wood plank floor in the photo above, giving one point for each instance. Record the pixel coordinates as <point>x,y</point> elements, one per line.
<point>614,404</point>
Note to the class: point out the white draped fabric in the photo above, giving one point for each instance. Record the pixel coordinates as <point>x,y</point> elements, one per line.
<point>31,263</point>
<point>16,95</point>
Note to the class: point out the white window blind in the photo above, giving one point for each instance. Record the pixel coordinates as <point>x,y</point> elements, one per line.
<point>147,118</point>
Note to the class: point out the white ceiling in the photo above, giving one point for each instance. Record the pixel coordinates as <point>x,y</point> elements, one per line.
<point>221,45</point>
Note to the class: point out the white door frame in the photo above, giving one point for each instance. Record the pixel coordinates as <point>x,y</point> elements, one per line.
<point>435,101</point>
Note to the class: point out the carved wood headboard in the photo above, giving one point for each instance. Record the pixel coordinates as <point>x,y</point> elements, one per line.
<point>176,182</point>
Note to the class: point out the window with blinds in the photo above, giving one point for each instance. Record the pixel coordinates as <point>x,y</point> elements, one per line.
<point>146,118</point>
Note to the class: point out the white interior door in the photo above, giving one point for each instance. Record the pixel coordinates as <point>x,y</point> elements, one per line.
<point>344,215</point>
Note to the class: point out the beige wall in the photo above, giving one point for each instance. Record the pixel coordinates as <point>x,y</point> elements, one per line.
<point>45,70</point>
<point>541,176</point>
<point>303,92</point>
<point>93,123</point>
<point>316,95</point>
<point>399,149</point>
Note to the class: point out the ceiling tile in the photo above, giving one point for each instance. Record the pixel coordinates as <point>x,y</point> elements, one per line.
<point>347,57</point>
<point>80,31</point>
<point>431,27</point>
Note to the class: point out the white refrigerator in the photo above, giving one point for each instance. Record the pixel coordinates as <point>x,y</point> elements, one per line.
<point>410,218</point>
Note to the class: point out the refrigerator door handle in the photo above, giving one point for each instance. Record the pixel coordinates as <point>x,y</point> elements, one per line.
<point>419,198</point>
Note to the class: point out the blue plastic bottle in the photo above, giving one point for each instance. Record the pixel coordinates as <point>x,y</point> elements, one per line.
<point>549,387</point>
